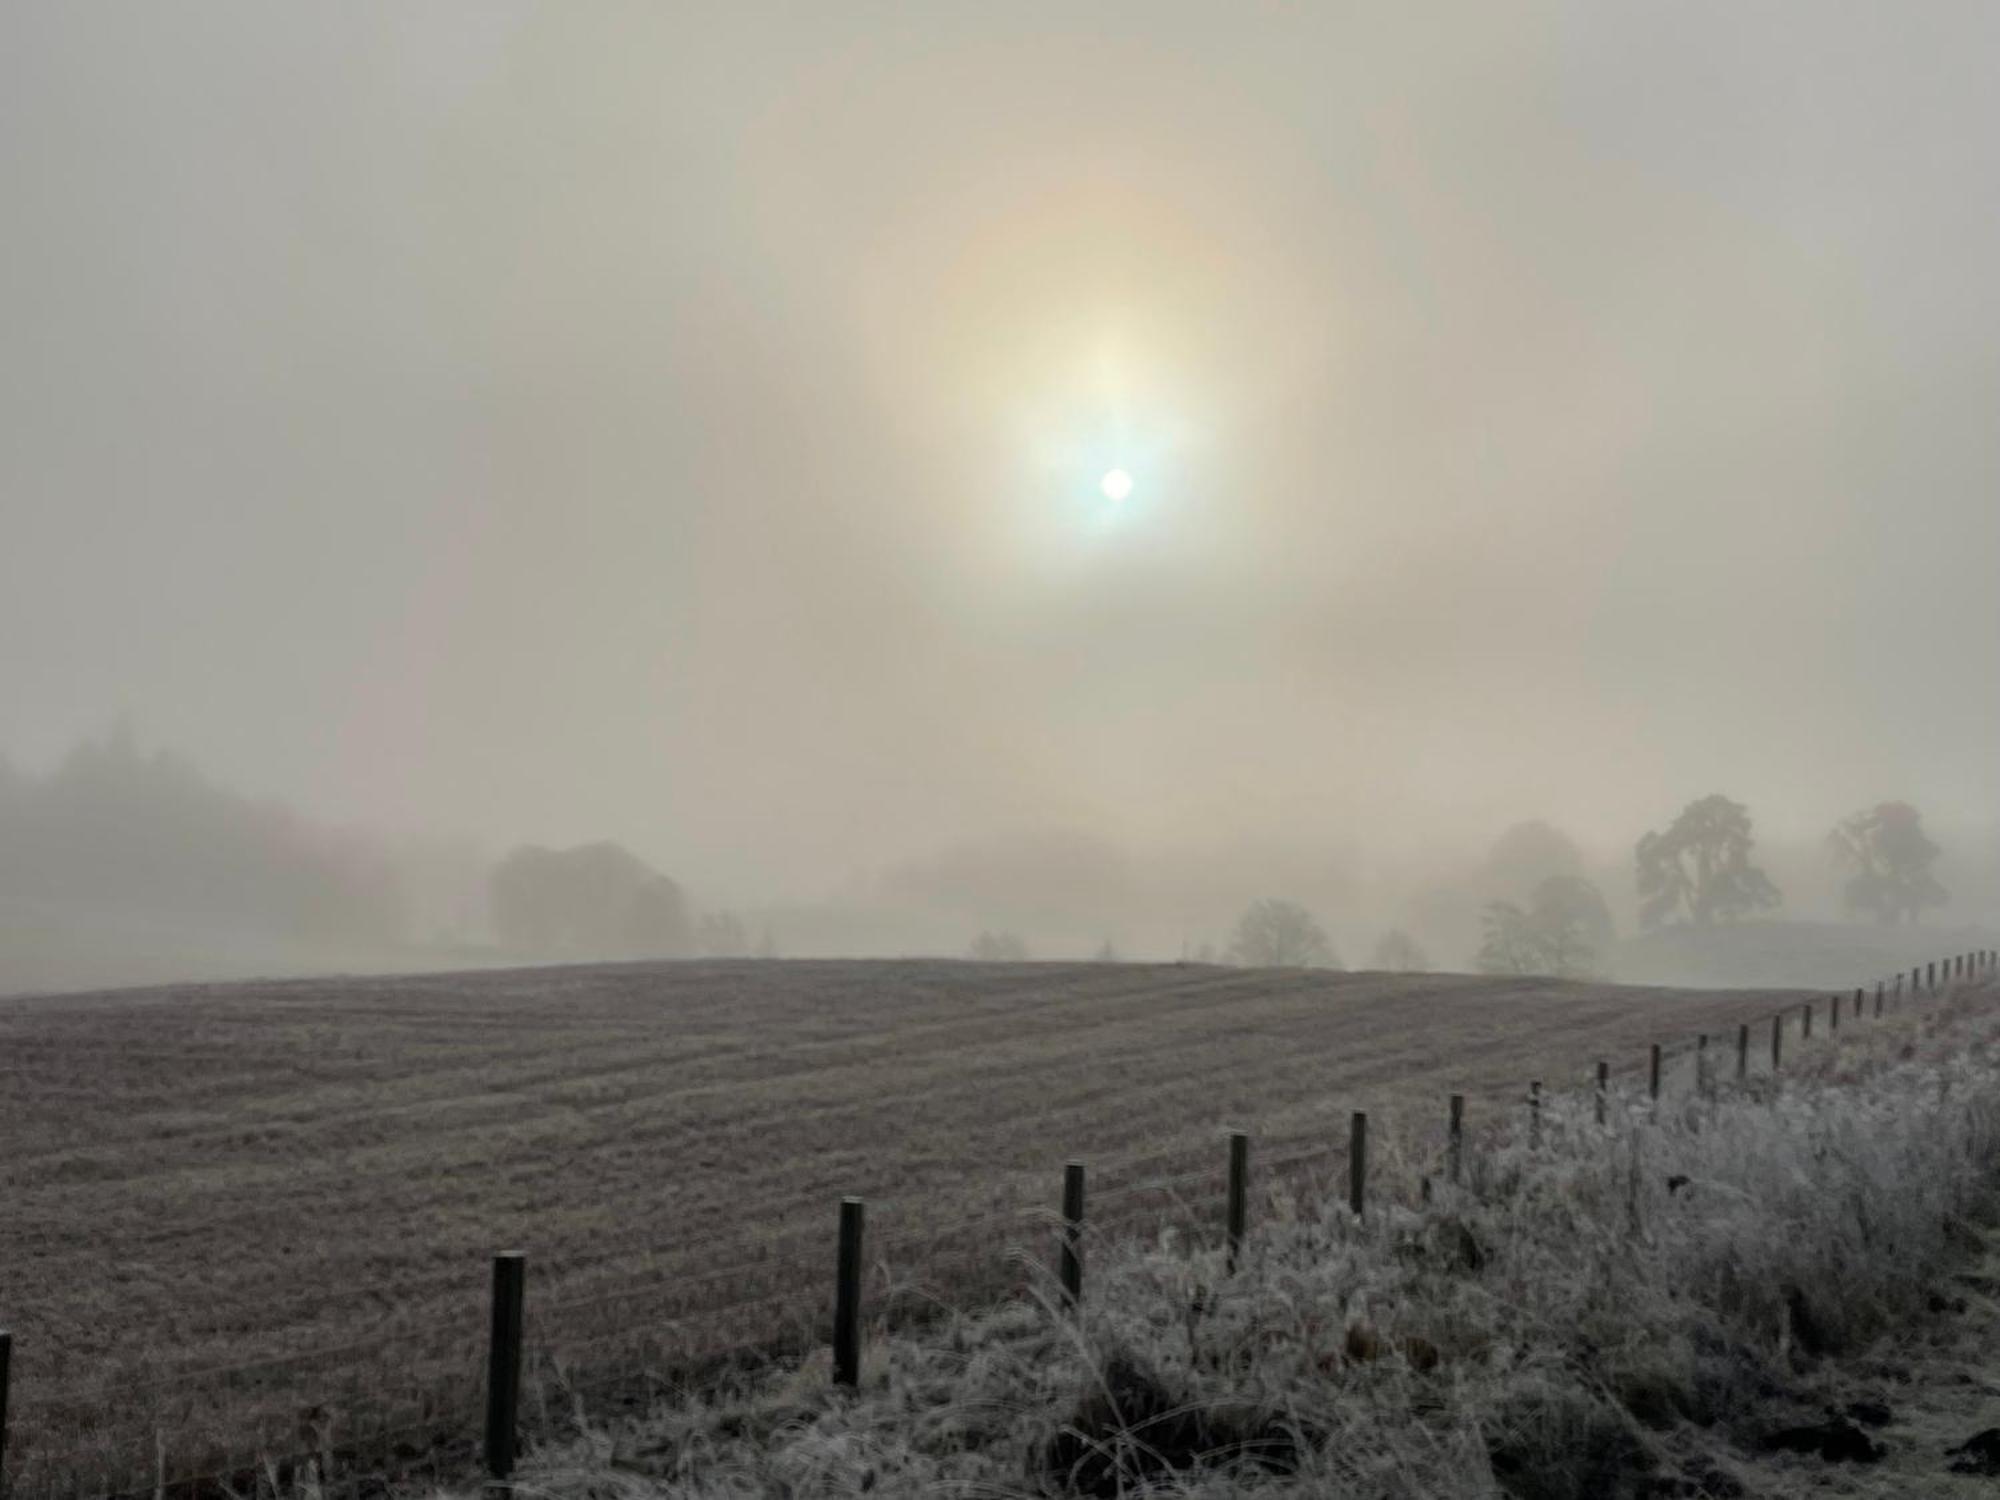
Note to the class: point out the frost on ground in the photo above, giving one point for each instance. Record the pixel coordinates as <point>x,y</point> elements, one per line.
<point>1763,1293</point>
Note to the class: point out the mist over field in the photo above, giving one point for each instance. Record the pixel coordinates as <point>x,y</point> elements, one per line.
<point>680,440</point>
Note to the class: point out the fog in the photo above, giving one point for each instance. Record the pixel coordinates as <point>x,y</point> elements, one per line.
<point>471,425</point>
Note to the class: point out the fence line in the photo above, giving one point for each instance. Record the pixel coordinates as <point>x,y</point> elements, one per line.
<point>509,1348</point>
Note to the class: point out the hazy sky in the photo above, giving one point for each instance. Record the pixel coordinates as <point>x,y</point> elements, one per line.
<point>684,423</point>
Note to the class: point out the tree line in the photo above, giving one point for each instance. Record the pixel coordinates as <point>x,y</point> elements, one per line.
<point>600,900</point>
<point>118,829</point>
<point>1699,871</point>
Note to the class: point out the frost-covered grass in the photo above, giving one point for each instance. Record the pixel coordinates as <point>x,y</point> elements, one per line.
<point>1613,1312</point>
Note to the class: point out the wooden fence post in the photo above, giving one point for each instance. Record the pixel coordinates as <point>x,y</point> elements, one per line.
<point>1603,1089</point>
<point>1455,1138</point>
<point>1858,998</point>
<point>503,1366</point>
<point>1701,1064</point>
<point>1742,1052</point>
<point>6,1360</point>
<point>847,1297</point>
<point>1239,1195</point>
<point>1777,1040</point>
<point>1534,1112</point>
<point>1878,999</point>
<point>1805,1018</point>
<point>1930,977</point>
<point>1357,1163</point>
<point>1072,1235</point>
<point>1653,1076</point>
<point>1833,1013</point>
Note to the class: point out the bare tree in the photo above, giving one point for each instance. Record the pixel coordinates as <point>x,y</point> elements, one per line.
<point>1574,925</point>
<point>999,948</point>
<point>1700,867</point>
<point>1891,857</point>
<point>1564,931</point>
<point>722,935</point>
<point>1399,953</point>
<point>1275,934</point>
<point>1509,945</point>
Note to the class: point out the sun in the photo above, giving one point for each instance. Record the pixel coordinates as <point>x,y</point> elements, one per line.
<point>1116,484</point>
